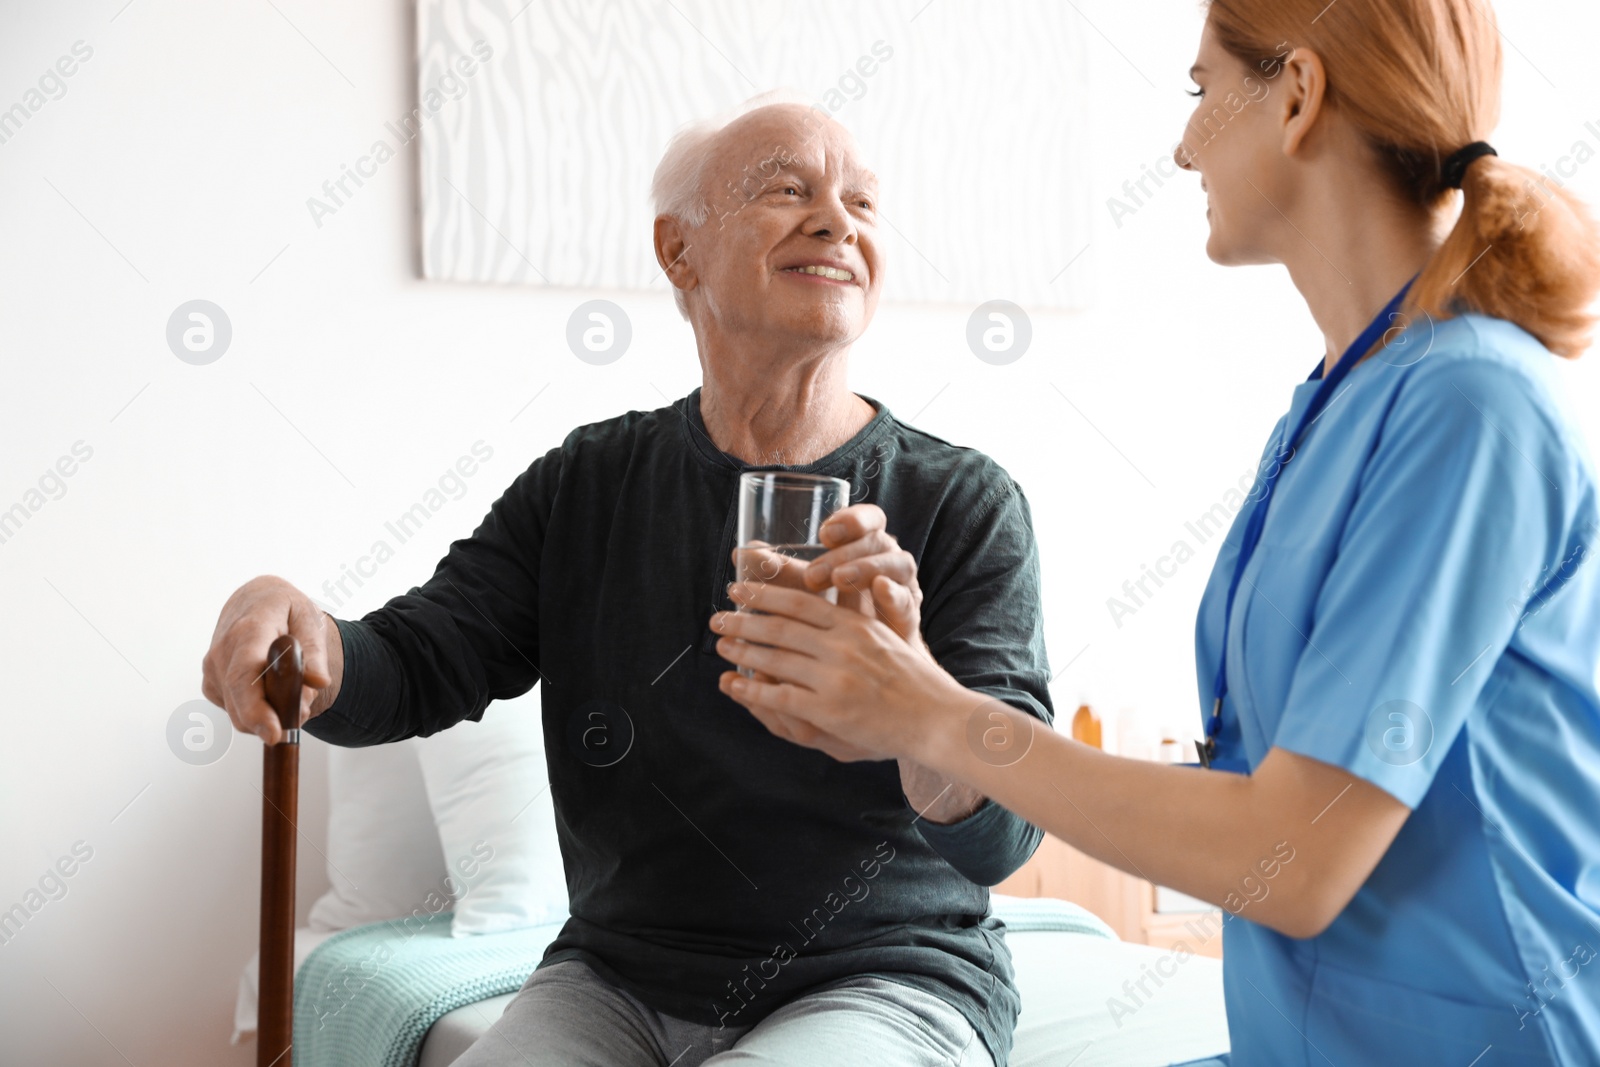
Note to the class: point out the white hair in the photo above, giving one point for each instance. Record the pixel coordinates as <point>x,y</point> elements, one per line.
<point>678,188</point>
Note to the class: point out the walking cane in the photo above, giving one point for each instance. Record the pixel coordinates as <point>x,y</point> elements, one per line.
<point>280,786</point>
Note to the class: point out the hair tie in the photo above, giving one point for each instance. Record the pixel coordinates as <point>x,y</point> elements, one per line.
<point>1455,165</point>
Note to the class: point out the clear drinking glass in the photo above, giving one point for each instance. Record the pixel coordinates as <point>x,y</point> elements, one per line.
<point>780,525</point>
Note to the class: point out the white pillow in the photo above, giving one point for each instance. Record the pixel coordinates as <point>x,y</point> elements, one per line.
<point>384,859</point>
<point>489,789</point>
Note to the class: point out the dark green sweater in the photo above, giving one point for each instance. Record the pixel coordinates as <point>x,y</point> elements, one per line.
<point>714,870</point>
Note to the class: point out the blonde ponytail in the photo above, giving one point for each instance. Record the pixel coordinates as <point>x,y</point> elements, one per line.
<point>1521,251</point>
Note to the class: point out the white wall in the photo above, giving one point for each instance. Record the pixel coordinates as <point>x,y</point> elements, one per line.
<point>177,166</point>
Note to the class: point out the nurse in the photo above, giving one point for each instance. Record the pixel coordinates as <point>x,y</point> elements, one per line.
<point>1398,800</point>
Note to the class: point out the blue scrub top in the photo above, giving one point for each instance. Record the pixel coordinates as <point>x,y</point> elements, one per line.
<point>1422,612</point>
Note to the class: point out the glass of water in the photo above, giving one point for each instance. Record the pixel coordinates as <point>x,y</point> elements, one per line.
<point>780,528</point>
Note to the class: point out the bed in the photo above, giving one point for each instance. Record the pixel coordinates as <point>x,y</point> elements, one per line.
<point>382,982</point>
<point>1065,978</point>
<point>421,1003</point>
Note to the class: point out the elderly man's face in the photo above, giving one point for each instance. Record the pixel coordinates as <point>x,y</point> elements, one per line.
<point>792,206</point>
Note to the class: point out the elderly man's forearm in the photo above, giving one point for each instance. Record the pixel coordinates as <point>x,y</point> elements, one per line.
<point>335,646</point>
<point>937,798</point>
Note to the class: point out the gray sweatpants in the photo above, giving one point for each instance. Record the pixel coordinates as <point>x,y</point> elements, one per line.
<point>567,1016</point>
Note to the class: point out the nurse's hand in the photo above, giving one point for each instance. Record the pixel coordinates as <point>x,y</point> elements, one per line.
<point>860,551</point>
<point>832,674</point>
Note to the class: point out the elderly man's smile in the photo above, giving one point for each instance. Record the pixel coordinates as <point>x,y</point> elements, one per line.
<point>821,272</point>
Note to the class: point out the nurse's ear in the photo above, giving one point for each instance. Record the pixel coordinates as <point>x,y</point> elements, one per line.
<point>1302,92</point>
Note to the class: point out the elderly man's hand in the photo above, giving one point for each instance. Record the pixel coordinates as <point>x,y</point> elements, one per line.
<point>884,599</point>
<point>853,686</point>
<point>827,677</point>
<point>861,554</point>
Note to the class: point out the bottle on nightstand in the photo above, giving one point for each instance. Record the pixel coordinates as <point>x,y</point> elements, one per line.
<point>1086,726</point>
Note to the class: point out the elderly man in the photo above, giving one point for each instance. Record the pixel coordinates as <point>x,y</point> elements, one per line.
<point>735,898</point>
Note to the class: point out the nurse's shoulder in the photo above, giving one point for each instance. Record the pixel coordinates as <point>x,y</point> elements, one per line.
<point>1486,375</point>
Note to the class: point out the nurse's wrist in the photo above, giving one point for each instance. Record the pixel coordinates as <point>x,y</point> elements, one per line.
<point>954,718</point>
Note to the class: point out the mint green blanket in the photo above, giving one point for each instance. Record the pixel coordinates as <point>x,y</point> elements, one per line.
<point>367,996</point>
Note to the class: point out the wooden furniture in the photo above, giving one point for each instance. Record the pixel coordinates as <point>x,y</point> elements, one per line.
<point>280,788</point>
<point>1127,903</point>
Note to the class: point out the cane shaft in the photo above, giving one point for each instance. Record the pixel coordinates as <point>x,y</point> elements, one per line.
<point>280,790</point>
<point>280,777</point>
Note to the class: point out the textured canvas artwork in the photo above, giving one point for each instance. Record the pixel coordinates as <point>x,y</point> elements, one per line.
<point>541,123</point>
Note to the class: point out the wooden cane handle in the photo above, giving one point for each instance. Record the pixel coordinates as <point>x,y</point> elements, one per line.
<point>284,678</point>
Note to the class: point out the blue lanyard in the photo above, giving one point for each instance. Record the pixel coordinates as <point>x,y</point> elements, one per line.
<point>1258,515</point>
